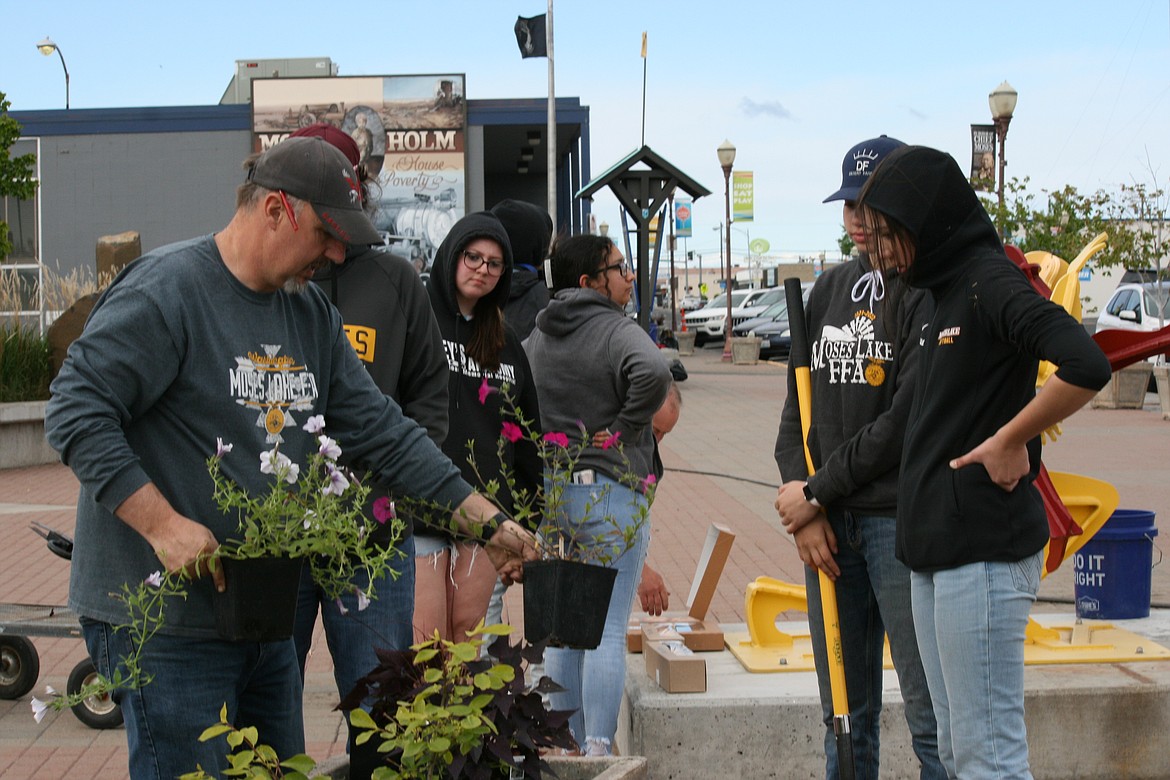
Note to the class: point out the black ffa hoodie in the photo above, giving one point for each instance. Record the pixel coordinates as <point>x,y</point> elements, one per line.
<point>980,352</point>
<point>471,421</point>
<point>530,231</point>
<point>391,327</point>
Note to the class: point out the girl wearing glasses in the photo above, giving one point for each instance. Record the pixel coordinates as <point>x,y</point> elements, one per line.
<point>468,289</point>
<point>596,368</point>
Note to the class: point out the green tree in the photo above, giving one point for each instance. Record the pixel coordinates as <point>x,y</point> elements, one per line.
<point>16,173</point>
<point>1063,225</point>
<point>845,243</point>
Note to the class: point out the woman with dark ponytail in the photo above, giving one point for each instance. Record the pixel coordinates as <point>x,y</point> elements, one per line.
<point>600,379</point>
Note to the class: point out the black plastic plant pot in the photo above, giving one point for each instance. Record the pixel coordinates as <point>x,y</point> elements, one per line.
<point>566,602</point>
<point>260,602</point>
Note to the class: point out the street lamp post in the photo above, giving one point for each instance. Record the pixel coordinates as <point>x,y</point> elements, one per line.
<point>1003,104</point>
<point>47,47</point>
<point>726,152</point>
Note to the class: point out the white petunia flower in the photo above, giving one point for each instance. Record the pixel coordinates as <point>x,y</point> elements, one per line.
<point>329,448</point>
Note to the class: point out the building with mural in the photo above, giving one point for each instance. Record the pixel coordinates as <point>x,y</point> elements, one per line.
<point>170,173</point>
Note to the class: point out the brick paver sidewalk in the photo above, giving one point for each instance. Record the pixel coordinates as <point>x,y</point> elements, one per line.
<point>719,469</point>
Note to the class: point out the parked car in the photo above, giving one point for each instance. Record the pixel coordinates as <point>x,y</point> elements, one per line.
<point>772,328</point>
<point>691,302</point>
<point>771,297</point>
<point>775,338</point>
<point>1136,306</point>
<point>778,310</point>
<point>707,322</point>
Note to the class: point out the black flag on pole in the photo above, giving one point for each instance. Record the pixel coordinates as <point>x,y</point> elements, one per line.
<point>530,36</point>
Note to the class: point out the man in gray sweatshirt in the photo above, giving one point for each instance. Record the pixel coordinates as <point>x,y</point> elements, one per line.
<point>222,337</point>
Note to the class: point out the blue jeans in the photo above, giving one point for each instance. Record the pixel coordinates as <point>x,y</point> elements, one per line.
<point>873,599</point>
<point>594,680</point>
<point>971,622</point>
<point>192,680</point>
<point>352,637</point>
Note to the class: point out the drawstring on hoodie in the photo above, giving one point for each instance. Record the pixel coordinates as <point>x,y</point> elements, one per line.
<point>873,283</point>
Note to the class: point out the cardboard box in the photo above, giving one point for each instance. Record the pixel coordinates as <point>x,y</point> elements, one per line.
<point>675,667</point>
<point>691,628</point>
<point>698,635</point>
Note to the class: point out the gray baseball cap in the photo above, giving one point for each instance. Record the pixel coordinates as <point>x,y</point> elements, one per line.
<point>319,173</point>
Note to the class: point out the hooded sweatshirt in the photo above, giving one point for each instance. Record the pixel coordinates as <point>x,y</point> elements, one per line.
<point>864,332</point>
<point>389,323</point>
<point>596,368</point>
<point>530,231</point>
<point>474,423</point>
<point>980,352</point>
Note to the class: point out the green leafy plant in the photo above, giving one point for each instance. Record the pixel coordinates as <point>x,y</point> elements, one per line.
<point>249,758</point>
<point>24,363</point>
<point>315,514</point>
<point>439,709</point>
<point>16,173</point>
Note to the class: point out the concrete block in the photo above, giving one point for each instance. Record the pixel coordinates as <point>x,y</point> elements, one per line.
<point>22,435</point>
<point>1084,721</point>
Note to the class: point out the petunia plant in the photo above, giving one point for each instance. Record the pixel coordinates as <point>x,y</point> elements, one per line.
<point>314,513</point>
<point>543,509</point>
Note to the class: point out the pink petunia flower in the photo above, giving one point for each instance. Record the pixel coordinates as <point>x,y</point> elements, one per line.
<point>611,441</point>
<point>221,449</point>
<point>384,509</point>
<point>649,482</point>
<point>314,424</point>
<point>557,438</point>
<point>155,580</point>
<point>485,390</point>
<point>512,432</point>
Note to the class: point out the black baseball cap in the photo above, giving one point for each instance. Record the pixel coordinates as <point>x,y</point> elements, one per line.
<point>318,172</point>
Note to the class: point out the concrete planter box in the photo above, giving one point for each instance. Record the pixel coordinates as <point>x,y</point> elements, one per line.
<point>686,342</point>
<point>1126,388</point>
<point>22,435</point>
<point>1162,375</point>
<point>566,768</point>
<point>745,350</point>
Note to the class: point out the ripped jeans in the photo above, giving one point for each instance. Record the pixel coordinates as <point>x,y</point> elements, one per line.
<point>453,584</point>
<point>594,680</point>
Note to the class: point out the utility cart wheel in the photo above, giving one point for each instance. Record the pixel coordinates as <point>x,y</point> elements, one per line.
<point>19,666</point>
<point>97,712</point>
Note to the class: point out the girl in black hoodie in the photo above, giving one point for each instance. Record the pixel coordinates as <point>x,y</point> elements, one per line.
<point>468,288</point>
<point>971,525</point>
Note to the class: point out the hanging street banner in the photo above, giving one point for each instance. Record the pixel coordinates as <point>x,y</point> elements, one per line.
<point>742,196</point>
<point>682,218</point>
<point>983,157</point>
<point>409,131</point>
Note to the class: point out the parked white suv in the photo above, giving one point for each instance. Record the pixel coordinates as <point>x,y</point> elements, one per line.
<point>1135,306</point>
<point>707,322</point>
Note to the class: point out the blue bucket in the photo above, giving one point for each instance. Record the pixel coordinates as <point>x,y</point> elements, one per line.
<point>1112,571</point>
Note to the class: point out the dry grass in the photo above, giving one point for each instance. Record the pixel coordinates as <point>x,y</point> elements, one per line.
<point>25,368</point>
<point>19,293</point>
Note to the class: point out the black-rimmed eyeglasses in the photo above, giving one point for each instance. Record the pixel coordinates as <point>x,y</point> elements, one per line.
<point>474,260</point>
<point>622,268</point>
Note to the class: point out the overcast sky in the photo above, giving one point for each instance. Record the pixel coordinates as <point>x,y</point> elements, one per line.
<point>792,85</point>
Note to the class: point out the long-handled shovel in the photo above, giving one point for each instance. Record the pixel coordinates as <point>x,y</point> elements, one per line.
<point>799,361</point>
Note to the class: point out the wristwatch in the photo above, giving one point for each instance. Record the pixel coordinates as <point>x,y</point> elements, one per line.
<point>809,497</point>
